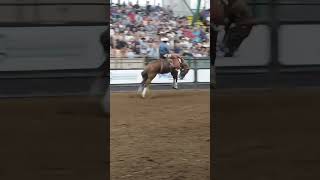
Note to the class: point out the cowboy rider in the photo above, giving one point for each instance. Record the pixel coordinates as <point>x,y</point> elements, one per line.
<point>164,51</point>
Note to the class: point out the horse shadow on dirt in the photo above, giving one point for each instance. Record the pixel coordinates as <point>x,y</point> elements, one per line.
<point>165,94</point>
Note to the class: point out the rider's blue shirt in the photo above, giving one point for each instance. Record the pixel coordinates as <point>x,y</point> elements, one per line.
<point>163,49</point>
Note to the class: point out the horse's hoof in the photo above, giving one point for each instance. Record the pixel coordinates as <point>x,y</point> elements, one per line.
<point>144,96</point>
<point>139,90</point>
<point>144,92</point>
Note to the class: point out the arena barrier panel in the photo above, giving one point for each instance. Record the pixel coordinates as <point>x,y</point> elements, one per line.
<point>50,48</point>
<point>130,72</point>
<point>289,34</point>
<point>252,52</point>
<point>302,49</point>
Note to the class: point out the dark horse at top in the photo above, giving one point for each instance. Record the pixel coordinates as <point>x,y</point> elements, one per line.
<point>237,19</point>
<point>103,74</point>
<point>163,66</point>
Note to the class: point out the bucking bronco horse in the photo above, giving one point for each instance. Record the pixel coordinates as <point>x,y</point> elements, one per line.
<point>163,66</point>
<point>237,19</point>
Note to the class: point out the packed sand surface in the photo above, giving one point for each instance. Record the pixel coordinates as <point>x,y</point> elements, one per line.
<point>165,136</point>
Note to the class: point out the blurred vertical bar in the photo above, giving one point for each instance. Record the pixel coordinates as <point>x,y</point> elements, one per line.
<point>106,40</point>
<point>47,135</point>
<point>274,64</point>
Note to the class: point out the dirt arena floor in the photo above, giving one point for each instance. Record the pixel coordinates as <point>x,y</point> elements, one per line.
<point>52,138</point>
<point>164,137</point>
<point>260,135</point>
<point>267,135</point>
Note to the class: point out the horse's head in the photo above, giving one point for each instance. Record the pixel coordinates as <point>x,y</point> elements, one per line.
<point>183,73</point>
<point>184,69</point>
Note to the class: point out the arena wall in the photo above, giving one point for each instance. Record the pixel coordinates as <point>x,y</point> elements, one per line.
<point>50,48</point>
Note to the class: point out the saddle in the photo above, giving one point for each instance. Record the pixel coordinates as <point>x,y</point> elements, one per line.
<point>175,62</point>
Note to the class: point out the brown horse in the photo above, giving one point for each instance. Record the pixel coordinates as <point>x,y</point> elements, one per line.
<point>163,66</point>
<point>237,18</point>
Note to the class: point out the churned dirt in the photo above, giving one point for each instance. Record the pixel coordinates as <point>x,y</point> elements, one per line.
<point>166,136</point>
<point>267,134</point>
<point>52,138</point>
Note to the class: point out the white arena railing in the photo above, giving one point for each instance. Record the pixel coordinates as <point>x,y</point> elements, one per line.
<point>125,71</point>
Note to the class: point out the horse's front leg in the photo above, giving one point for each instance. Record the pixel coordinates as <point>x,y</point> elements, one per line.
<point>175,79</point>
<point>140,88</point>
<point>142,84</point>
<point>175,83</point>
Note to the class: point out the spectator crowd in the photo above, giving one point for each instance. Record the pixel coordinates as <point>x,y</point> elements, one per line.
<point>137,31</point>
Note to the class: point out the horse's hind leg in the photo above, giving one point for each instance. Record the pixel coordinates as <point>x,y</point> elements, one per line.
<point>147,84</point>
<point>144,79</point>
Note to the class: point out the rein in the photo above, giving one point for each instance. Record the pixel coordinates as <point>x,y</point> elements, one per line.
<point>161,67</point>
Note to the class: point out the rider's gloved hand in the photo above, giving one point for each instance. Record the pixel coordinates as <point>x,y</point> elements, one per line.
<point>167,55</point>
